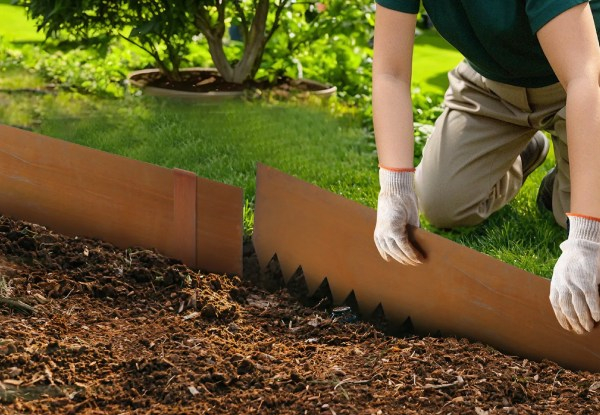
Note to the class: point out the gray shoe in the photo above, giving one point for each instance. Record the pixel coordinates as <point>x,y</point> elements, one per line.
<point>534,154</point>
<point>544,196</point>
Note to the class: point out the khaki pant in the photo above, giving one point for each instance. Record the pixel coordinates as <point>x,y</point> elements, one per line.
<point>471,165</point>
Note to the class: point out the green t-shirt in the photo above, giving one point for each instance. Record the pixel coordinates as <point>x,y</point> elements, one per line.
<point>498,38</point>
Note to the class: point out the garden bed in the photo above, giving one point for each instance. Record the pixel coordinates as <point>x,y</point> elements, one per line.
<point>128,331</point>
<point>199,82</point>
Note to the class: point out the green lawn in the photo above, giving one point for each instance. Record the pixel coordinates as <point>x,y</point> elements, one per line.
<point>433,58</point>
<point>224,141</point>
<point>15,27</point>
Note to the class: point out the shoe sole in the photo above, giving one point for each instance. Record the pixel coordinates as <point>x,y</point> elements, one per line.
<point>544,196</point>
<point>539,161</point>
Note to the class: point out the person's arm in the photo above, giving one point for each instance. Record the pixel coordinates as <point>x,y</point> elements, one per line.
<point>392,71</point>
<point>571,45</point>
<point>392,117</point>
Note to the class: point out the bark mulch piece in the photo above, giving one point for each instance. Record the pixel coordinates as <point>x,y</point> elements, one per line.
<point>111,331</point>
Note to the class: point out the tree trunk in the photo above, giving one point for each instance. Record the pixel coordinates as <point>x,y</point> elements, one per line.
<point>214,37</point>
<point>254,46</point>
<point>215,47</point>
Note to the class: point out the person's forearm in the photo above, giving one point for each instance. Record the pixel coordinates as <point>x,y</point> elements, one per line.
<point>392,72</point>
<point>583,132</point>
<point>393,121</point>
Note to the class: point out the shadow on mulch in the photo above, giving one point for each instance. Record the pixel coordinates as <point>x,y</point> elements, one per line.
<point>271,279</point>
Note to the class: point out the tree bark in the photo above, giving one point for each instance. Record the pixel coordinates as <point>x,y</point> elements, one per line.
<point>214,37</point>
<point>255,40</point>
<point>255,44</point>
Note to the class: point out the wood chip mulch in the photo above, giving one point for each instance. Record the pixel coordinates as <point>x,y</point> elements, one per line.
<point>92,329</point>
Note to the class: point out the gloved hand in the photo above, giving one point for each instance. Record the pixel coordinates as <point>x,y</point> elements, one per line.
<point>574,288</point>
<point>396,207</point>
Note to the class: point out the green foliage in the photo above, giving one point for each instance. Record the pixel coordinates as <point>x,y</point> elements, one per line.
<point>331,45</point>
<point>90,70</point>
<point>162,29</point>
<point>285,34</point>
<point>426,109</point>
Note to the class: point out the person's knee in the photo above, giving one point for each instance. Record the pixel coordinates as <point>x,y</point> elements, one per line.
<point>437,211</point>
<point>443,208</point>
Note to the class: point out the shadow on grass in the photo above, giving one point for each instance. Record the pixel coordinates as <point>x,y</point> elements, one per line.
<point>432,38</point>
<point>440,80</point>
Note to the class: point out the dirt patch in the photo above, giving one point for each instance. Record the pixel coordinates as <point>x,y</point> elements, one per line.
<point>92,329</point>
<point>211,81</point>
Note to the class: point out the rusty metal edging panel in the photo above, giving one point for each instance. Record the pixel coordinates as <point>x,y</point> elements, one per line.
<point>220,238</point>
<point>457,291</point>
<point>81,191</point>
<point>185,215</point>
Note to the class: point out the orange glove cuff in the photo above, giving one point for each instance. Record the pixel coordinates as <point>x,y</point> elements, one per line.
<point>400,169</point>
<point>570,214</point>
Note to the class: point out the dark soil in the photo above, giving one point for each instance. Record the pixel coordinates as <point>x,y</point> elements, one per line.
<point>91,329</point>
<point>210,81</point>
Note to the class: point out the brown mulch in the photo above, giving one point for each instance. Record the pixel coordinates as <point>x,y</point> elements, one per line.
<point>211,81</point>
<point>91,329</point>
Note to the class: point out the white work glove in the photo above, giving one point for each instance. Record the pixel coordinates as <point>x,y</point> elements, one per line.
<point>574,287</point>
<point>396,208</point>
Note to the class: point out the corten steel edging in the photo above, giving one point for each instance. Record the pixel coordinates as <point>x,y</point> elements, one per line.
<point>184,215</point>
<point>80,191</point>
<point>457,291</point>
<point>220,237</point>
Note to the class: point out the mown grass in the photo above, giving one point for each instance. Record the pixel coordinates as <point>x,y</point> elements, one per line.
<point>225,141</point>
<point>433,57</point>
<point>15,25</point>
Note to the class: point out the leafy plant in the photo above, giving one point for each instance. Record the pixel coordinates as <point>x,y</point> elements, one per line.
<point>328,41</point>
<point>165,29</point>
<point>82,69</point>
<point>160,28</point>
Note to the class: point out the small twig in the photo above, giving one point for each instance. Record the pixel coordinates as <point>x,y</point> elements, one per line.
<point>17,305</point>
<point>445,385</point>
<point>321,301</point>
<point>349,380</point>
<point>554,381</point>
<point>69,293</point>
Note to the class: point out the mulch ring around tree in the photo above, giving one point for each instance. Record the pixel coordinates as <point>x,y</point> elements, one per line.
<point>211,81</point>
<point>86,328</point>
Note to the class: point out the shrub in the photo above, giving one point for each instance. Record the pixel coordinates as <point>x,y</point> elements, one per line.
<point>165,29</point>
<point>160,28</point>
